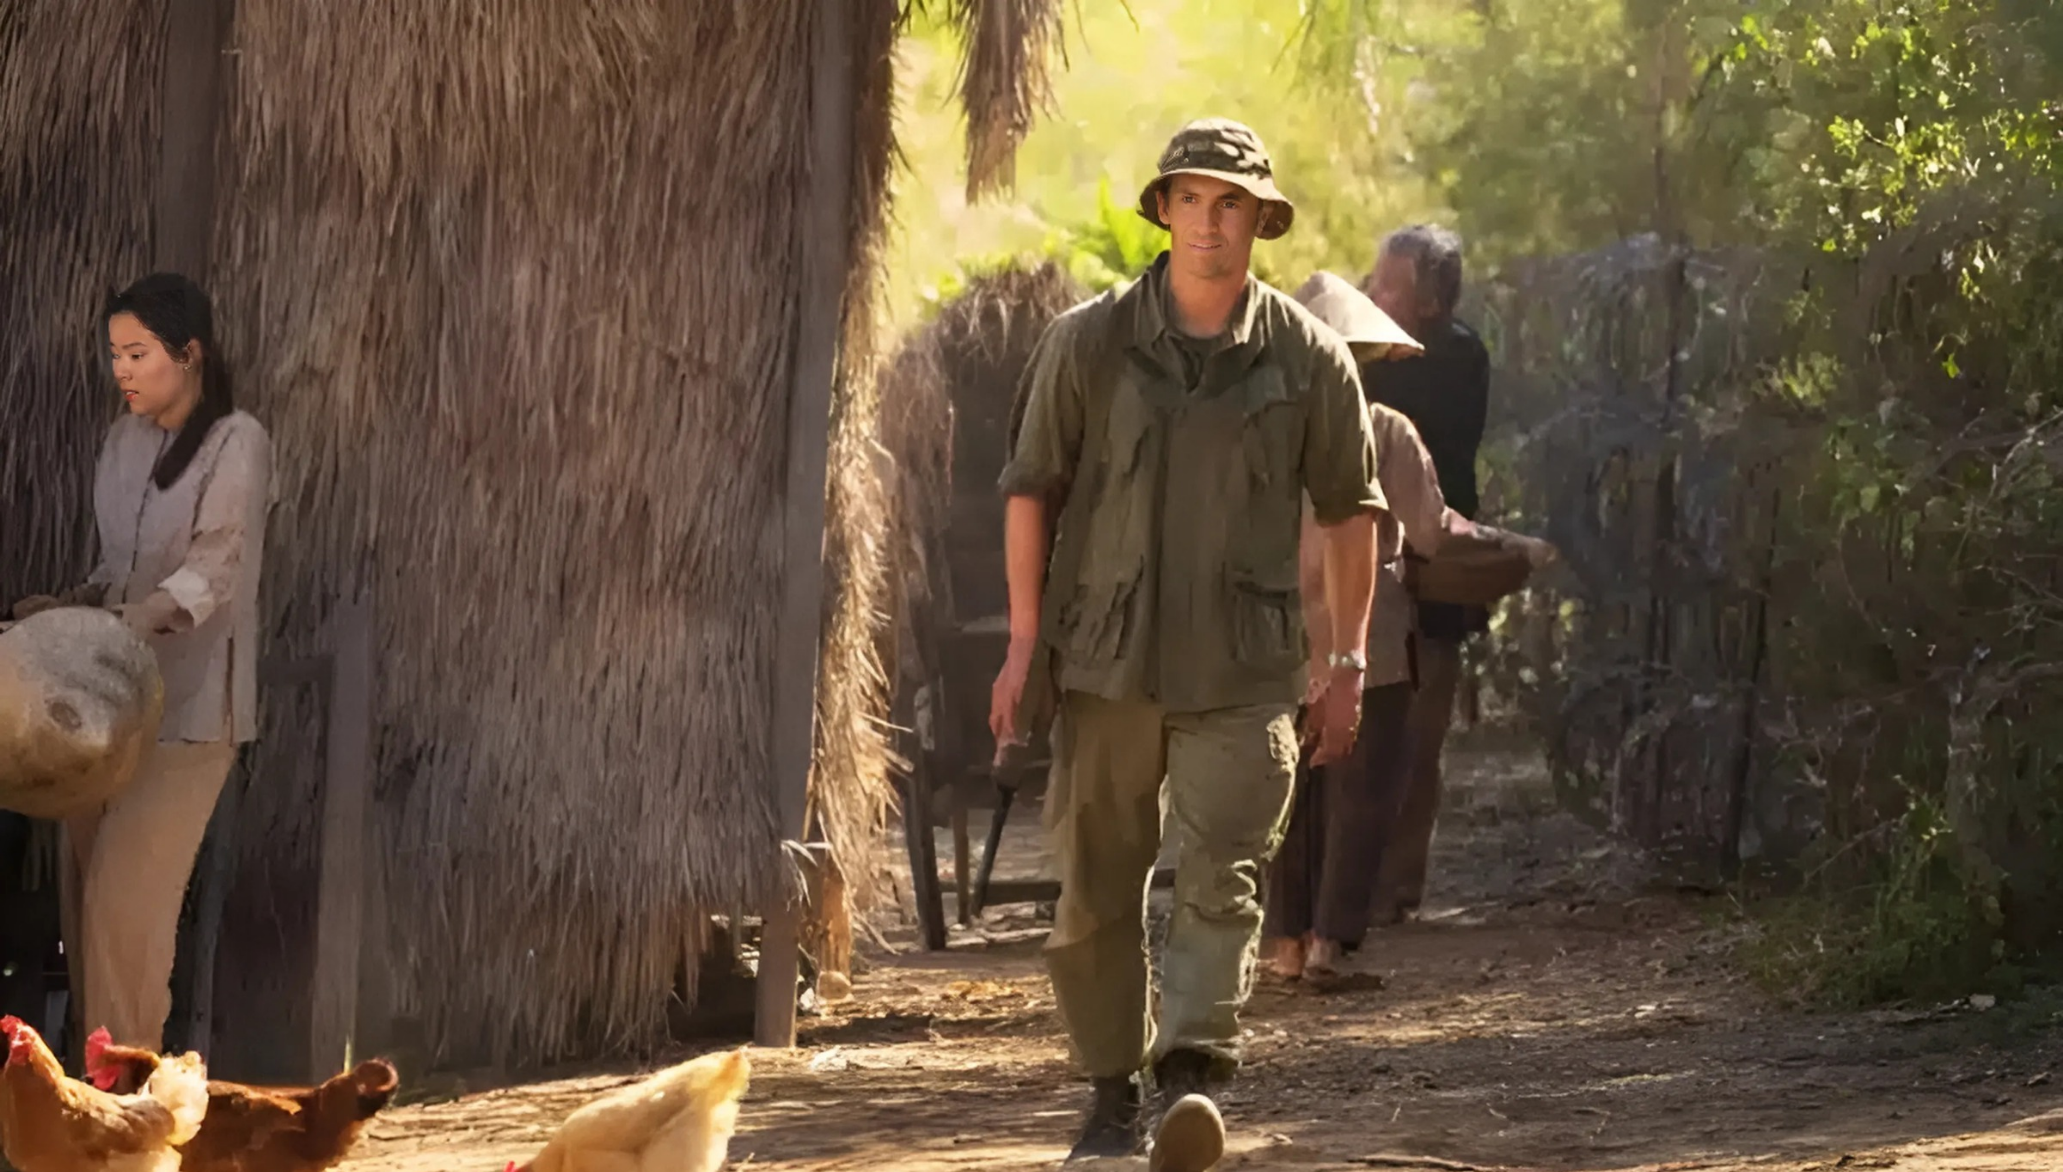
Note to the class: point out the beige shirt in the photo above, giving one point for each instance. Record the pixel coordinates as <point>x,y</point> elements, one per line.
<point>200,542</point>
<point>1417,514</point>
<point>1413,511</point>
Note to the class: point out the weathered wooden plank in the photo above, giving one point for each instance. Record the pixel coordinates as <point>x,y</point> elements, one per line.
<point>825,255</point>
<point>346,805</point>
<point>923,851</point>
<point>189,108</point>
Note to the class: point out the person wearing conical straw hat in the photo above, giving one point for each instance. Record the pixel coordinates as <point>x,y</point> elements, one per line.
<point>1320,885</point>
<point>1167,433</point>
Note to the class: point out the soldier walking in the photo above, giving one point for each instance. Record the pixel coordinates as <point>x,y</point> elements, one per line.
<point>1164,438</point>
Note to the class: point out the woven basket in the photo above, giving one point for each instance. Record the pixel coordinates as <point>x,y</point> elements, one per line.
<point>1478,566</point>
<point>80,701</point>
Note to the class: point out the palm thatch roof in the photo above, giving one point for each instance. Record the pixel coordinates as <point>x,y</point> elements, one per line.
<point>513,285</point>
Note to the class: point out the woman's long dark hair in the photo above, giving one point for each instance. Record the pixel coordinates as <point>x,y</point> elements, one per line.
<point>175,310</point>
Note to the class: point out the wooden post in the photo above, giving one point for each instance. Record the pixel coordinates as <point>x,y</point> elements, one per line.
<point>346,804</point>
<point>923,849</point>
<point>212,878</point>
<point>190,105</point>
<point>962,848</point>
<point>825,264</point>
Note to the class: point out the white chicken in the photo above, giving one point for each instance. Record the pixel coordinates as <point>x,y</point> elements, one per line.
<point>679,1120</point>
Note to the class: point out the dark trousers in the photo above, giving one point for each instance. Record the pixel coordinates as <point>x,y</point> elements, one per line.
<point>1400,882</point>
<point>1324,877</point>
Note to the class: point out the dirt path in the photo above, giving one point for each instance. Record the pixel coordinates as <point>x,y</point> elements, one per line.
<point>1554,1012</point>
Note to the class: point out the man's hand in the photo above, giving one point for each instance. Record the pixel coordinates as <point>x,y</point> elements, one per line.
<point>1339,715</point>
<point>1319,678</point>
<point>1008,693</point>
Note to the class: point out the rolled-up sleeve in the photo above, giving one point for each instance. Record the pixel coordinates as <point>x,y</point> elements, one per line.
<point>1339,445</point>
<point>1046,418</point>
<point>232,508</point>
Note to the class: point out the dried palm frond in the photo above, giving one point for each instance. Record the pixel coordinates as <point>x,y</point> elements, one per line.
<point>1005,81</point>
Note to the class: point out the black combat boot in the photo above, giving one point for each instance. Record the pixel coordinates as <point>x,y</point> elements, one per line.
<point>1188,1133</point>
<point>1112,1128</point>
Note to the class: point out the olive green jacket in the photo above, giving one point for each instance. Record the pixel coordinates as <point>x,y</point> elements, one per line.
<point>1173,575</point>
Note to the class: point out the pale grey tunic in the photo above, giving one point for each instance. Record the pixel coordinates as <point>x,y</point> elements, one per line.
<point>201,543</point>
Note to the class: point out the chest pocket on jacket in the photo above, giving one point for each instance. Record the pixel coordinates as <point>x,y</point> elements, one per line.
<point>1096,620</point>
<point>1271,433</point>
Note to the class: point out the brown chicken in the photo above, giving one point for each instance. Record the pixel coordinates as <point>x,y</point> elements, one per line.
<point>51,1123</point>
<point>679,1120</point>
<point>254,1129</point>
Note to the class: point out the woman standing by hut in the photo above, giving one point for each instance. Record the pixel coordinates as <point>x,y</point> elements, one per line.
<point>179,501</point>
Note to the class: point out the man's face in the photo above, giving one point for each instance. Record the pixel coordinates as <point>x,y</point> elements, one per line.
<point>1212,225</point>
<point>1394,289</point>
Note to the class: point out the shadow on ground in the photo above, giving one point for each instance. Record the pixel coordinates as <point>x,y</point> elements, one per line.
<point>1558,1009</point>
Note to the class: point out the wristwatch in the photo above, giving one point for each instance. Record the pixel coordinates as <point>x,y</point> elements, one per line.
<point>1353,659</point>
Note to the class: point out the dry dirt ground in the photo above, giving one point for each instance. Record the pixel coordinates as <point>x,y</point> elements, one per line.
<point>1556,1010</point>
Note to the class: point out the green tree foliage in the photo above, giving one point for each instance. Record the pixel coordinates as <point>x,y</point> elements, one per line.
<point>1135,72</point>
<point>1905,157</point>
<point>1895,162</point>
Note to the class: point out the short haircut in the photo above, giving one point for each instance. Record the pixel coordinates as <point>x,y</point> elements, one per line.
<point>1435,255</point>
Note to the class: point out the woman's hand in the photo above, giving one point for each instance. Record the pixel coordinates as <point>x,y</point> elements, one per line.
<point>36,604</point>
<point>157,615</point>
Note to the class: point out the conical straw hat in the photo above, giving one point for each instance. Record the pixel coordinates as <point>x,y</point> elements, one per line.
<point>1370,333</point>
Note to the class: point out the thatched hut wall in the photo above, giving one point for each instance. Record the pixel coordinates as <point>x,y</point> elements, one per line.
<point>517,284</point>
<point>514,285</point>
<point>77,81</point>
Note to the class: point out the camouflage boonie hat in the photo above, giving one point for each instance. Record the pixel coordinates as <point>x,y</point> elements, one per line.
<point>1227,150</point>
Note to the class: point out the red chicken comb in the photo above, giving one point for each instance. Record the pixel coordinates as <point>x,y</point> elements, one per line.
<point>19,1036</point>
<point>102,1076</point>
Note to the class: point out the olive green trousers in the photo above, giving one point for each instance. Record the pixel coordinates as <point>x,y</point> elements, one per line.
<point>1229,775</point>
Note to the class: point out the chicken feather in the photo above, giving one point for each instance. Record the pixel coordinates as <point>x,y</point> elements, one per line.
<point>256,1129</point>
<point>52,1123</point>
<point>679,1120</point>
